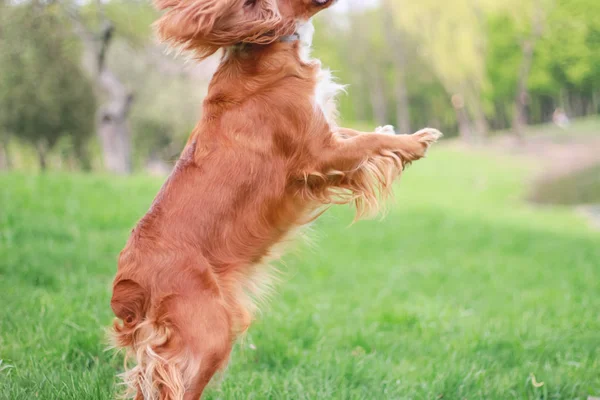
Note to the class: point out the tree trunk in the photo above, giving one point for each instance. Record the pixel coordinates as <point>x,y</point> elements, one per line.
<point>5,159</point>
<point>370,76</point>
<point>82,155</point>
<point>358,103</point>
<point>481,123</point>
<point>112,117</point>
<point>577,105</point>
<point>595,102</point>
<point>521,98</point>
<point>465,129</point>
<point>115,140</point>
<point>520,104</point>
<point>42,152</point>
<point>399,61</point>
<point>395,42</point>
<point>402,105</point>
<point>378,99</point>
<point>588,105</point>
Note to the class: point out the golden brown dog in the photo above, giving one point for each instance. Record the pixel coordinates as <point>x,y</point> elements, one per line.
<point>265,159</point>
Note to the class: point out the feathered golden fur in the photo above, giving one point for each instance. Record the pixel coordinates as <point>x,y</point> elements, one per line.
<point>266,158</point>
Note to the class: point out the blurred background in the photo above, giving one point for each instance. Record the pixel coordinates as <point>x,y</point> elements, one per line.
<point>482,282</point>
<point>84,85</point>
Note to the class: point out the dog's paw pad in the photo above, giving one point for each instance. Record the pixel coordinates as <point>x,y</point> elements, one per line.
<point>386,130</point>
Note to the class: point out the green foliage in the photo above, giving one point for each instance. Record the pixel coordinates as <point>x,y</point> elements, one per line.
<point>462,291</point>
<point>573,44</point>
<point>44,95</point>
<point>504,57</point>
<point>154,140</point>
<point>566,57</point>
<point>132,18</point>
<point>468,47</point>
<point>358,53</point>
<point>473,48</point>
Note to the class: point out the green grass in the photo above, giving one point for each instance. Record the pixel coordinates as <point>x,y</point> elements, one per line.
<point>462,292</point>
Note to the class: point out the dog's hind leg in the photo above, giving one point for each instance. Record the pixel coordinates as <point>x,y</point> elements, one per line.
<point>213,362</point>
<point>205,335</point>
<point>183,337</point>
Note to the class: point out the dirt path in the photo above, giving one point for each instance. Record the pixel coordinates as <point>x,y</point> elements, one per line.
<point>557,155</point>
<point>592,213</point>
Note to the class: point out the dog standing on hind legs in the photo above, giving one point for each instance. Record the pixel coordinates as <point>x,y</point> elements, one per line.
<point>265,159</point>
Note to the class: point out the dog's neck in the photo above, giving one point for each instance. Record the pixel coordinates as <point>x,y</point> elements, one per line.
<point>295,37</point>
<point>304,35</point>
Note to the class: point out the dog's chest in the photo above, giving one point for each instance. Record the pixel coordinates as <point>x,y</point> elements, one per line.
<point>326,89</point>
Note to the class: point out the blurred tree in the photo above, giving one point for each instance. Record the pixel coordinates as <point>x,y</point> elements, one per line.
<point>563,58</point>
<point>536,10</point>
<point>369,60</point>
<point>458,66</point>
<point>570,55</point>
<point>97,33</point>
<point>396,44</point>
<point>451,41</point>
<point>363,53</point>
<point>43,93</point>
<point>5,156</point>
<point>158,122</point>
<point>502,65</point>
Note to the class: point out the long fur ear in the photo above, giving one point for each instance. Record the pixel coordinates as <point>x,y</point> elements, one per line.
<point>129,303</point>
<point>204,26</point>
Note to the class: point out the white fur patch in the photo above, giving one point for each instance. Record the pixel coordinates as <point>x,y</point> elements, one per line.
<point>386,130</point>
<point>326,89</point>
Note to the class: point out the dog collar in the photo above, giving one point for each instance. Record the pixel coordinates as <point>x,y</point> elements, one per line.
<point>290,38</point>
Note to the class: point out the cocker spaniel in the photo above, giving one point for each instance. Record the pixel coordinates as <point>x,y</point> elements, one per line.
<point>266,159</point>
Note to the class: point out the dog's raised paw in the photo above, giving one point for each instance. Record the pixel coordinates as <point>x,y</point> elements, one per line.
<point>386,130</point>
<point>428,135</point>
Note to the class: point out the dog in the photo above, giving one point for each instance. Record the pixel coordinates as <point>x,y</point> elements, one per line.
<point>266,159</point>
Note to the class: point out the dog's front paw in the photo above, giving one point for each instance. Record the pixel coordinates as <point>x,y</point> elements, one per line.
<point>428,135</point>
<point>386,130</point>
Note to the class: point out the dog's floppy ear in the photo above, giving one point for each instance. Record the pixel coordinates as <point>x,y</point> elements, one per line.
<point>129,302</point>
<point>189,21</point>
<point>204,26</point>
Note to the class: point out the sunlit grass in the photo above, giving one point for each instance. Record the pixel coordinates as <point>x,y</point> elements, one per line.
<point>462,291</point>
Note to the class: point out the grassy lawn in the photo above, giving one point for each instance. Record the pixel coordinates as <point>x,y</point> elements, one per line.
<point>462,292</point>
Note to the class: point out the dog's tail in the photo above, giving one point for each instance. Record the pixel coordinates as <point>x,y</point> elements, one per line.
<point>172,347</point>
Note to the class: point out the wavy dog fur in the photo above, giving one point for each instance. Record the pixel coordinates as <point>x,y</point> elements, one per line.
<point>266,158</point>
<point>204,27</point>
